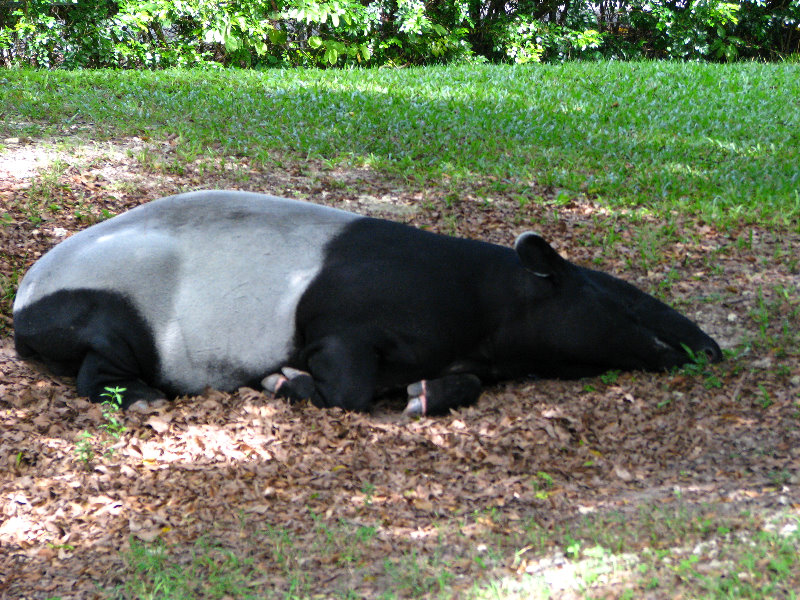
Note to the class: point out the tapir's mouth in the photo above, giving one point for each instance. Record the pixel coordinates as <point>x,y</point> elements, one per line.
<point>709,348</point>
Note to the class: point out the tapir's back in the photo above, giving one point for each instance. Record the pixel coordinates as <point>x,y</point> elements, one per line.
<point>218,232</point>
<point>215,275</point>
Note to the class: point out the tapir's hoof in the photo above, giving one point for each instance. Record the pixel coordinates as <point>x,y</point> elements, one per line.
<point>437,396</point>
<point>272,383</point>
<point>291,384</point>
<point>417,400</point>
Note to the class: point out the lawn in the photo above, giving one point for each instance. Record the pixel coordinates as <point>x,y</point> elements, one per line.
<point>716,140</point>
<point>681,178</point>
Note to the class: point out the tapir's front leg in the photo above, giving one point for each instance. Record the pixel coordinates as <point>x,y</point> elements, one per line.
<point>437,396</point>
<point>340,373</point>
<point>293,385</point>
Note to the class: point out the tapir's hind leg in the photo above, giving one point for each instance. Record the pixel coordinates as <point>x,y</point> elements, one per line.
<point>342,373</point>
<point>98,374</point>
<point>97,335</point>
<point>437,396</point>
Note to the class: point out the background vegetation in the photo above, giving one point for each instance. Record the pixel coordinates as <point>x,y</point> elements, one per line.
<point>263,33</point>
<point>716,141</point>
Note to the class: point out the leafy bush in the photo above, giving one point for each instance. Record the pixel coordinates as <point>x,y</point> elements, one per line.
<point>161,33</point>
<point>247,33</point>
<point>529,40</point>
<point>717,30</point>
<point>701,29</point>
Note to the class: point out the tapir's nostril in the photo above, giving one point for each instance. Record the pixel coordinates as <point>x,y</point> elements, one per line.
<point>713,353</point>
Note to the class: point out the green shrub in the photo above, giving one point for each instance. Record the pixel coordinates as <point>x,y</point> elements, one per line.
<point>162,33</point>
<point>263,33</point>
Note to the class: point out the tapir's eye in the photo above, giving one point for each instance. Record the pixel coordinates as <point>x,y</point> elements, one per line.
<point>662,344</point>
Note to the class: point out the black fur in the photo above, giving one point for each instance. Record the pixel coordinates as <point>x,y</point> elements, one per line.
<point>393,305</point>
<point>96,336</point>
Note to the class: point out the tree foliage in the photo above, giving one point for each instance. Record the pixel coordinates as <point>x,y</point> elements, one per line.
<point>247,33</point>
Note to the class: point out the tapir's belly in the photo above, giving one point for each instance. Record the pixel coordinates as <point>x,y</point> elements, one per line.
<point>233,326</point>
<point>219,295</point>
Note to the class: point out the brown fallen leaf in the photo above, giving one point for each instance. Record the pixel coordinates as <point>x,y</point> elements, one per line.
<point>623,473</point>
<point>160,423</point>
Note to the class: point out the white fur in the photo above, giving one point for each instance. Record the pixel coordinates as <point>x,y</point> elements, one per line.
<point>217,275</point>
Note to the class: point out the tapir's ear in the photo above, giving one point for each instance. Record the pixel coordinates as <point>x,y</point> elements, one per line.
<point>537,255</point>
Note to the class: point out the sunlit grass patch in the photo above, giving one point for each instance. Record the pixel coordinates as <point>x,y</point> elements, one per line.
<point>720,141</point>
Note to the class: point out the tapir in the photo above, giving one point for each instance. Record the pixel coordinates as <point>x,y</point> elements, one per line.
<point>225,289</point>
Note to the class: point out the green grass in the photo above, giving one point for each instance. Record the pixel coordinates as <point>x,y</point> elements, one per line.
<point>677,550</point>
<point>668,549</point>
<point>722,141</point>
<point>280,564</point>
<point>211,571</point>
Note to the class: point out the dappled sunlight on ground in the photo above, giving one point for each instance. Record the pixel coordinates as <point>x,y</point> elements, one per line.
<point>339,502</point>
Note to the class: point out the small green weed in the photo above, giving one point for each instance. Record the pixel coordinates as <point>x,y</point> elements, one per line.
<point>113,428</point>
<point>780,478</point>
<point>665,285</point>
<point>83,449</point>
<point>651,242</point>
<point>572,548</point>
<point>610,377</point>
<point>111,409</point>
<point>541,482</point>
<point>699,365</point>
<point>368,489</point>
<point>65,547</point>
<point>765,399</point>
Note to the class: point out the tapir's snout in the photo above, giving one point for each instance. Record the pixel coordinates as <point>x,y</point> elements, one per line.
<point>712,351</point>
<point>648,333</point>
<point>693,344</point>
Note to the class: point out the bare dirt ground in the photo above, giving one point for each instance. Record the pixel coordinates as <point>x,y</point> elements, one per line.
<point>463,493</point>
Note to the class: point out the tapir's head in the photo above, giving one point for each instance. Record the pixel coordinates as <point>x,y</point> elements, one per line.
<point>581,322</point>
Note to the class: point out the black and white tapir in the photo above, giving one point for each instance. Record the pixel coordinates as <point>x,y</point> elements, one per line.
<point>227,289</point>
